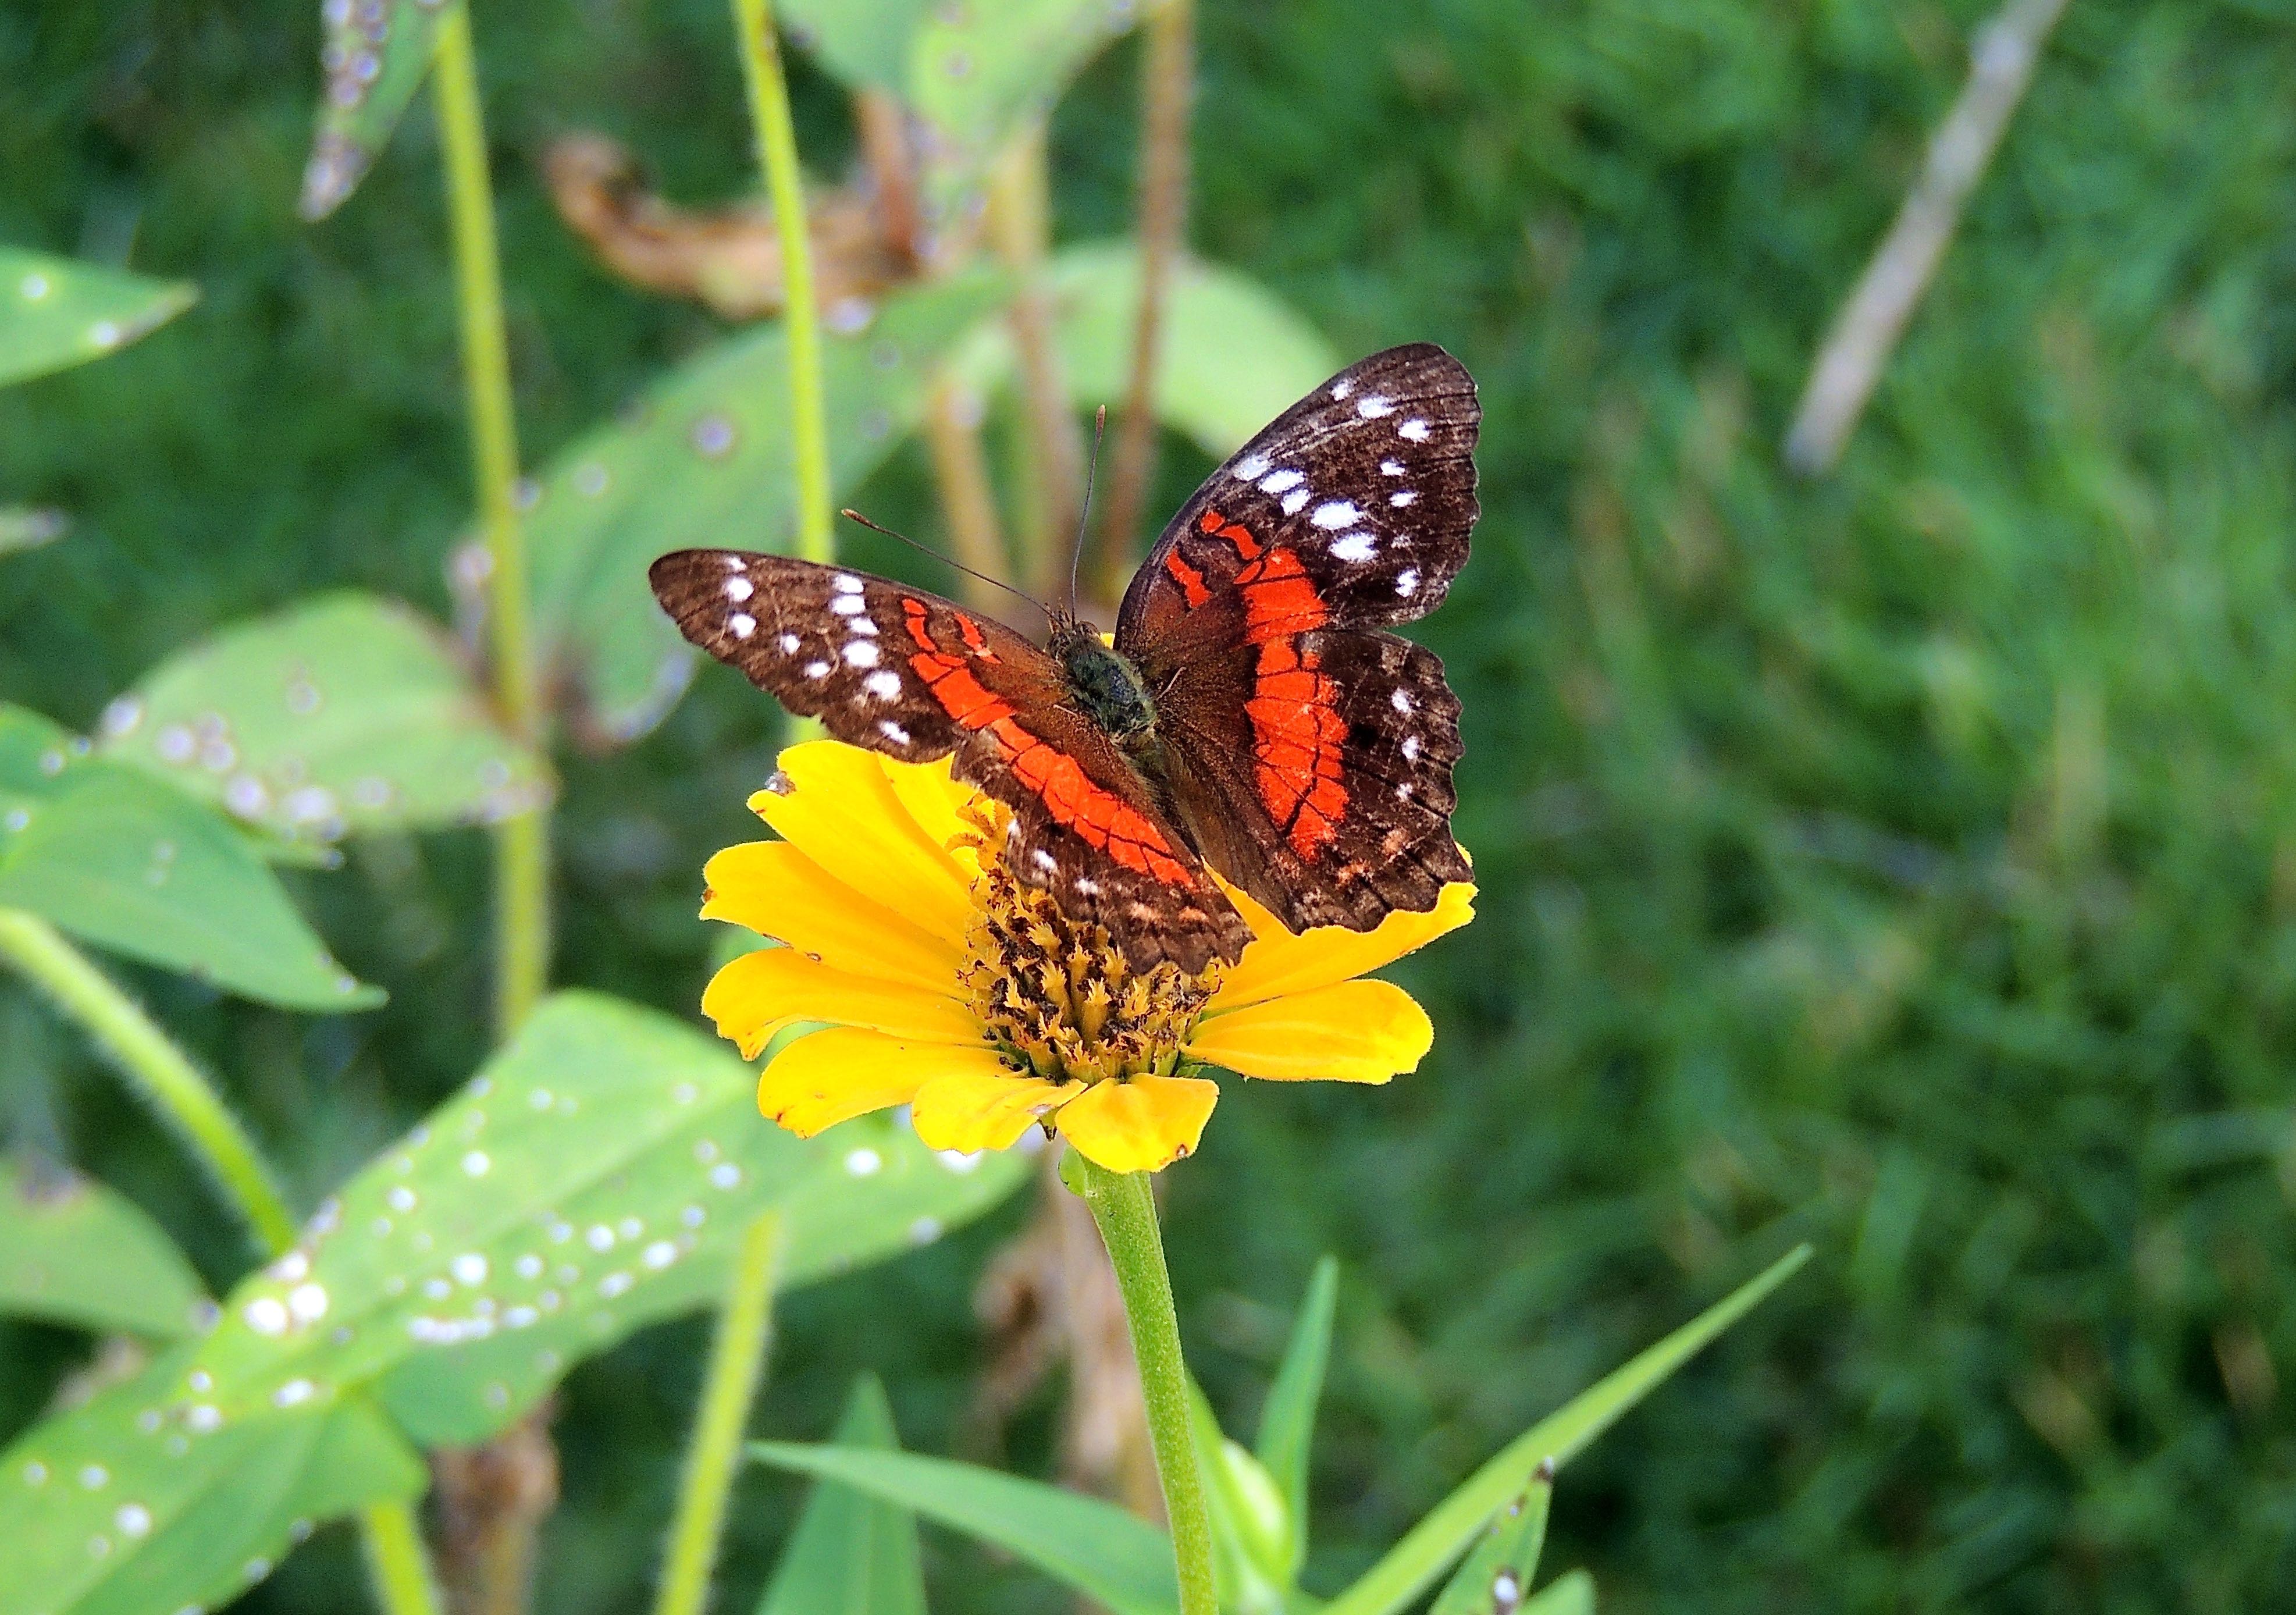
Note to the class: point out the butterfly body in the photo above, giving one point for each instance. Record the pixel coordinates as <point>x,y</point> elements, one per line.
<point>1251,715</point>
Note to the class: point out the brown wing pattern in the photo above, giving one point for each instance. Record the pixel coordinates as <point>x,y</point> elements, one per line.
<point>1310,755</point>
<point>899,671</point>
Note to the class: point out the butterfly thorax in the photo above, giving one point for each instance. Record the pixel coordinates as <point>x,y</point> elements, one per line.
<point>1105,686</point>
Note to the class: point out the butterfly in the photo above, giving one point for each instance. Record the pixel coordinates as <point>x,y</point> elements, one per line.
<point>1251,715</point>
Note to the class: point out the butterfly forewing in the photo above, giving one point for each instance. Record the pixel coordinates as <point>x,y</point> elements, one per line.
<point>900,671</point>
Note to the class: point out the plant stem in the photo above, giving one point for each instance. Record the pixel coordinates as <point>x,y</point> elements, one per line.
<point>968,500</point>
<point>162,1074</point>
<point>1168,86</point>
<point>396,1560</point>
<point>769,109</point>
<point>736,1358</point>
<point>1021,228</point>
<point>521,842</point>
<point>1124,1207</point>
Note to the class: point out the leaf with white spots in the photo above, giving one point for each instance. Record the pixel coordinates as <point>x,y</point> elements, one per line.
<point>373,55</point>
<point>594,1176</point>
<point>129,863</point>
<point>1495,1578</point>
<point>704,460</point>
<point>58,312</point>
<point>981,70</point>
<point>1233,356</point>
<point>117,1508</point>
<point>338,714</point>
<point>74,1251</point>
<point>851,1554</point>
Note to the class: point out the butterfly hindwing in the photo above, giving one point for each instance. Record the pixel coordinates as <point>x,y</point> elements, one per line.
<point>1311,754</point>
<point>903,672</point>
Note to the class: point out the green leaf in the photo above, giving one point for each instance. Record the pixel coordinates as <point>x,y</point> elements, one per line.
<point>979,73</point>
<point>1571,1594</point>
<point>128,862</point>
<point>76,1252</point>
<point>850,1554</point>
<point>1234,357</point>
<point>705,460</point>
<point>375,55</point>
<point>22,528</point>
<point>340,715</point>
<point>124,1506</point>
<point>57,312</point>
<point>862,42</point>
<point>1287,1425</point>
<point>1413,1564</point>
<point>594,1177</point>
<point>1122,1563</point>
<point>1251,1528</point>
<point>1499,1571</point>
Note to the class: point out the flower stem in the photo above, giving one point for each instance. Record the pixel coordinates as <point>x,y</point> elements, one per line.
<point>736,1358</point>
<point>769,109</point>
<point>1124,1207</point>
<point>162,1074</point>
<point>521,842</point>
<point>396,1562</point>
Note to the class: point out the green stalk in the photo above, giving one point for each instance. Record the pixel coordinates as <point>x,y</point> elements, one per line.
<point>162,1075</point>
<point>521,843</point>
<point>769,109</point>
<point>737,1356</point>
<point>1123,1206</point>
<point>173,1085</point>
<point>396,1563</point>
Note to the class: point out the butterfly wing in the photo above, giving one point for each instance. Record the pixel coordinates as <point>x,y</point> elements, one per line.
<point>916,676</point>
<point>1310,754</point>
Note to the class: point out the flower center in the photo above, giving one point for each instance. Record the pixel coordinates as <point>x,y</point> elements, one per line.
<point>1055,995</point>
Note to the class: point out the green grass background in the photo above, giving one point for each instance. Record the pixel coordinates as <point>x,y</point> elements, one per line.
<point>1906,863</point>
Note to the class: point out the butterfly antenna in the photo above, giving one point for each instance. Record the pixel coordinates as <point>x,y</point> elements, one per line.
<point>1083,516</point>
<point>854,516</point>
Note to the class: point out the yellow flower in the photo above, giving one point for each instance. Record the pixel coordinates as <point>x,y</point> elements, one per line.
<point>955,990</point>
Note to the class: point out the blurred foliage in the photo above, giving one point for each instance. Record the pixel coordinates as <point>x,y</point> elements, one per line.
<point>1907,861</point>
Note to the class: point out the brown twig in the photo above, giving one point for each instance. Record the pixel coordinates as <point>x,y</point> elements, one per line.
<point>1021,233</point>
<point>968,502</point>
<point>492,1500</point>
<point>2002,56</point>
<point>1167,90</point>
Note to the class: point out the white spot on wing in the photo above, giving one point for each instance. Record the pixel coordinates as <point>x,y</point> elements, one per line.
<point>860,653</point>
<point>1044,860</point>
<point>1295,501</point>
<point>816,669</point>
<point>1355,547</point>
<point>1411,748</point>
<point>1407,582</point>
<point>1251,468</point>
<point>1401,497</point>
<point>1391,468</point>
<point>864,626</point>
<point>1342,388</point>
<point>1371,406</point>
<point>1413,428</point>
<point>788,644</point>
<point>1401,700</point>
<point>743,623</point>
<point>1281,482</point>
<point>893,732</point>
<point>846,583</point>
<point>1333,514</point>
<point>739,590</point>
<point>884,683</point>
<point>846,605</point>
<point>734,563</point>
<point>1087,886</point>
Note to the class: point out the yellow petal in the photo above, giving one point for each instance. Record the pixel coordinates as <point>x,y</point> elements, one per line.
<point>933,796</point>
<point>759,993</point>
<point>1141,1124</point>
<point>985,1106</point>
<point>829,1077</point>
<point>1352,1032</point>
<point>1276,962</point>
<point>843,811</point>
<point>777,891</point>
